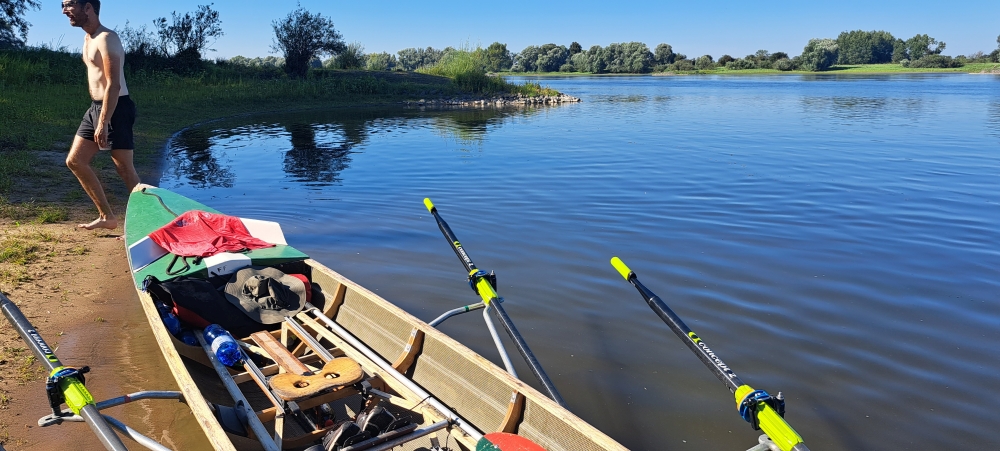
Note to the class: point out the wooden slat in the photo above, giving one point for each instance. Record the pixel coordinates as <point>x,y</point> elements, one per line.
<point>515,411</point>
<point>279,353</point>
<point>414,345</point>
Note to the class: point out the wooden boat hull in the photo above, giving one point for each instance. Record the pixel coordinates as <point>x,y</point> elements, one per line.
<point>485,396</point>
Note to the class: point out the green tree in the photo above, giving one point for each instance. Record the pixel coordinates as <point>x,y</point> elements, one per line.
<point>898,50</point>
<point>664,54</point>
<point>380,61</point>
<point>13,27</point>
<point>921,45</point>
<point>725,59</point>
<point>575,48</point>
<point>526,60</point>
<point>189,34</point>
<point>413,58</point>
<point>303,35</point>
<point>551,58</point>
<point>497,57</point>
<point>865,47</point>
<point>352,56</point>
<point>704,62</point>
<point>819,54</point>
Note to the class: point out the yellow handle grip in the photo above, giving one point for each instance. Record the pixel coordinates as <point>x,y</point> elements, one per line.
<point>620,266</point>
<point>428,204</point>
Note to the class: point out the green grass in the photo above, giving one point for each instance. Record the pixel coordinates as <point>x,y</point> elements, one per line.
<point>45,95</point>
<point>467,68</point>
<point>32,211</point>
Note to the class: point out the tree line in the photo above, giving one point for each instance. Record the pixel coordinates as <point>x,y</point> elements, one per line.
<point>302,38</point>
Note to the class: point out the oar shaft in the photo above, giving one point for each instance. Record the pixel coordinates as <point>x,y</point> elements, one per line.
<point>704,353</point>
<point>490,298</point>
<point>77,396</point>
<point>762,414</point>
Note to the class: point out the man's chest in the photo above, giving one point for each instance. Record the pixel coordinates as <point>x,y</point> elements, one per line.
<point>92,56</point>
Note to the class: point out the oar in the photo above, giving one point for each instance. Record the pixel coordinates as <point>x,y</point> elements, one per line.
<point>482,284</point>
<point>64,384</point>
<point>760,409</point>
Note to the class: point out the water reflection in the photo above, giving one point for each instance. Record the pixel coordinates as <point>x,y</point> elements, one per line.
<point>315,147</point>
<point>192,156</point>
<point>856,108</point>
<point>994,118</point>
<point>319,162</point>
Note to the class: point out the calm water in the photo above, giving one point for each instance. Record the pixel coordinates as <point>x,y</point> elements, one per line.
<point>834,238</point>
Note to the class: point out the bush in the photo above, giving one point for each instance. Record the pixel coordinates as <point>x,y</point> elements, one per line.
<point>784,65</point>
<point>682,65</point>
<point>995,56</point>
<point>740,64</point>
<point>938,61</point>
<point>704,62</point>
<point>566,68</point>
<point>904,62</point>
<point>725,59</point>
<point>381,62</point>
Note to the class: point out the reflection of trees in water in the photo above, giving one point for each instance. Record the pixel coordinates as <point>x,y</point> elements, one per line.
<point>994,118</point>
<point>858,108</point>
<point>320,152</point>
<point>321,142</point>
<point>470,126</point>
<point>193,158</point>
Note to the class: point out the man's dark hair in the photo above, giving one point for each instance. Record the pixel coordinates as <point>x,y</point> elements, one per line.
<point>96,3</point>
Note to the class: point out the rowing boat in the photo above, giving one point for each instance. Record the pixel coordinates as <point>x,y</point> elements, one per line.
<point>453,396</point>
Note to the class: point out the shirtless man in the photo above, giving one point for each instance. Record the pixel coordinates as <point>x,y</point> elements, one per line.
<point>108,122</point>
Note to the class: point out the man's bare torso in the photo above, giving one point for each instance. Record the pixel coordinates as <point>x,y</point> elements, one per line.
<point>95,61</point>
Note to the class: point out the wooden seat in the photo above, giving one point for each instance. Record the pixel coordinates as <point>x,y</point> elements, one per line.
<point>299,382</point>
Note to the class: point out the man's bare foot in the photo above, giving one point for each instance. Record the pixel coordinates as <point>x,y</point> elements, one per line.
<point>100,223</point>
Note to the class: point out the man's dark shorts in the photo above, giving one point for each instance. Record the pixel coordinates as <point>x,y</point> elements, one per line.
<point>120,132</point>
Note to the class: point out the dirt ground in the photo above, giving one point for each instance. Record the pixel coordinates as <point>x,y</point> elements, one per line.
<point>75,288</point>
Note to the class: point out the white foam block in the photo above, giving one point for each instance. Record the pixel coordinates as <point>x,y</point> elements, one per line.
<point>226,263</point>
<point>269,231</point>
<point>144,252</point>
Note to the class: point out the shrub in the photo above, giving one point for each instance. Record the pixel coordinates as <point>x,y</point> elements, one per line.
<point>904,62</point>
<point>704,62</point>
<point>380,62</point>
<point>740,64</point>
<point>568,67</point>
<point>682,65</point>
<point>784,64</point>
<point>939,61</point>
<point>725,59</point>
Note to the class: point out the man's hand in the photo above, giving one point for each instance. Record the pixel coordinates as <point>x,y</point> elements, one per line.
<point>101,135</point>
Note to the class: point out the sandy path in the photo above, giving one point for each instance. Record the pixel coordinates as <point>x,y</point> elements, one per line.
<point>81,299</point>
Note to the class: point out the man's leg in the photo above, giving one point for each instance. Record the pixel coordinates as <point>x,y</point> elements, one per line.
<point>125,168</point>
<point>78,161</point>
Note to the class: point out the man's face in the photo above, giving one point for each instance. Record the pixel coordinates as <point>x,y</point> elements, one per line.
<point>76,12</point>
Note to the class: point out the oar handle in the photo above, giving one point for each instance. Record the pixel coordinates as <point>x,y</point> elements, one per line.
<point>75,394</point>
<point>769,420</point>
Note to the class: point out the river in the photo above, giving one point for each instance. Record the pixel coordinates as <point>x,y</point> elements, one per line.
<point>831,237</point>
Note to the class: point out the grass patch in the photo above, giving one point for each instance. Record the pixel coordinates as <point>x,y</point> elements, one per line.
<point>18,251</point>
<point>31,211</point>
<point>79,250</point>
<point>468,70</point>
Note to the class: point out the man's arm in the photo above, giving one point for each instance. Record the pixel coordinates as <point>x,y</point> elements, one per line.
<point>112,56</point>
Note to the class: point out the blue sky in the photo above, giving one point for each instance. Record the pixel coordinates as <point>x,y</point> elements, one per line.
<point>694,28</point>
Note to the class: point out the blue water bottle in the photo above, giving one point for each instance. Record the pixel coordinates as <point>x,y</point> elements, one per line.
<point>172,324</point>
<point>223,345</point>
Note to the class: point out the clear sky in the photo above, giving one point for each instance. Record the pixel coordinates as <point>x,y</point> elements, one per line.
<point>694,28</point>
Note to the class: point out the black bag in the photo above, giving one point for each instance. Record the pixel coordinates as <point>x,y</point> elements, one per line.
<point>198,303</point>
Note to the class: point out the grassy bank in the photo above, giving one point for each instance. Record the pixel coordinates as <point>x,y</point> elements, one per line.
<point>45,95</point>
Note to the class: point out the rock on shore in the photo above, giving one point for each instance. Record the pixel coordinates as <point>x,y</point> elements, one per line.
<point>497,101</point>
